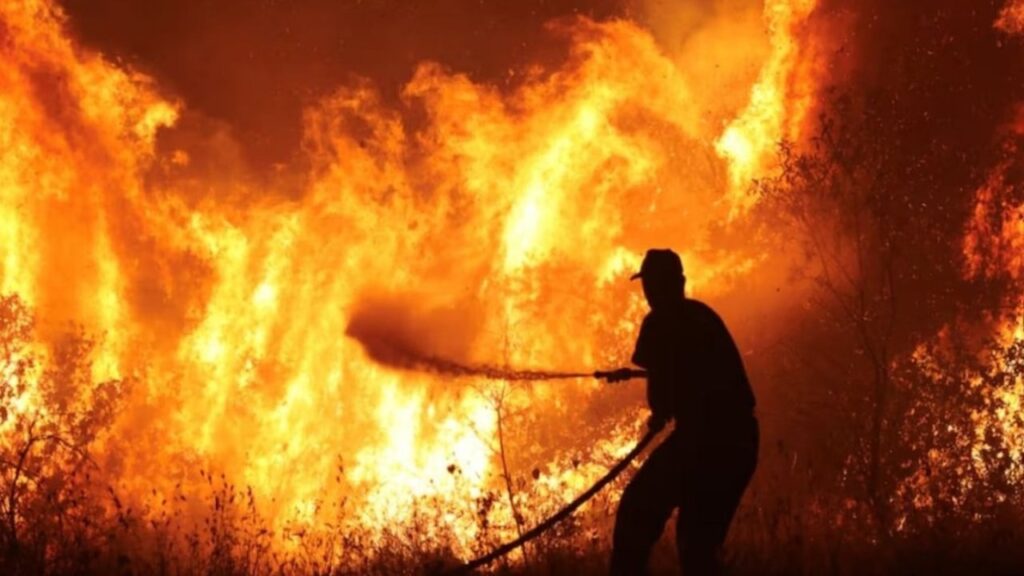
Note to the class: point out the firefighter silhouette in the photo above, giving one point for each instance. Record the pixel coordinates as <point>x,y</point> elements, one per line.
<point>695,376</point>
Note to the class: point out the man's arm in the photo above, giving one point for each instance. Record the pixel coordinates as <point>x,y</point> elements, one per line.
<point>639,359</point>
<point>657,420</point>
<point>650,353</point>
<point>659,399</point>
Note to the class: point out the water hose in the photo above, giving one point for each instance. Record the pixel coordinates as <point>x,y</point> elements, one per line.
<point>562,514</point>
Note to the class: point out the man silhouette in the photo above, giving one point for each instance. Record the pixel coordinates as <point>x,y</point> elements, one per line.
<point>695,376</point>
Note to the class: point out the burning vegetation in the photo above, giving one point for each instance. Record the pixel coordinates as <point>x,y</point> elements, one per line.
<point>241,341</point>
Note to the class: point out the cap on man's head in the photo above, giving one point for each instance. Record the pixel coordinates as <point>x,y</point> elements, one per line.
<point>660,263</point>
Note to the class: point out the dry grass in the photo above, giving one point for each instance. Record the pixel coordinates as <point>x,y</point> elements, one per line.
<point>59,515</point>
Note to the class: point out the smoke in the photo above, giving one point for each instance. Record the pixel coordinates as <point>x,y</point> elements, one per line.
<point>716,44</point>
<point>395,333</point>
<point>258,66</point>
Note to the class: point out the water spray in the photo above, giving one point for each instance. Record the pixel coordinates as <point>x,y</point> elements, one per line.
<point>392,344</point>
<point>452,368</point>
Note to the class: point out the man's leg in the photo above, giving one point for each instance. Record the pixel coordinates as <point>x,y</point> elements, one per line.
<point>646,504</point>
<point>712,488</point>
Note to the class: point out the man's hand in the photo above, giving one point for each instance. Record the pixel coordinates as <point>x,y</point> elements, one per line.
<point>656,423</point>
<point>620,375</point>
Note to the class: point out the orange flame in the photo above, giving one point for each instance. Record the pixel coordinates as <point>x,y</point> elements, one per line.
<point>779,101</point>
<point>230,309</point>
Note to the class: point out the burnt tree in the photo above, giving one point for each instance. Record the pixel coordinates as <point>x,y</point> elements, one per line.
<point>51,412</point>
<point>841,196</point>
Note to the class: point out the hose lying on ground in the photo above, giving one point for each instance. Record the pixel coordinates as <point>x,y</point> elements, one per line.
<point>560,515</point>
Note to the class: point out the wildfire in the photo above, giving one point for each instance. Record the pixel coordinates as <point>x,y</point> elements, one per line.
<point>779,101</point>
<point>993,247</point>
<point>1011,19</point>
<point>504,230</point>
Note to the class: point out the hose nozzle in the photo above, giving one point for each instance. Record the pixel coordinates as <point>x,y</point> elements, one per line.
<point>620,375</point>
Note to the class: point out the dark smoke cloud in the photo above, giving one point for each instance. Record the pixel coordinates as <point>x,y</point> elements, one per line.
<point>256,64</point>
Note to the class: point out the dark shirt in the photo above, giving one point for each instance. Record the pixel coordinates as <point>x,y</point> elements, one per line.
<point>695,373</point>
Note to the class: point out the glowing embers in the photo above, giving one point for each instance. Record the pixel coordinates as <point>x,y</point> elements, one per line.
<point>1011,18</point>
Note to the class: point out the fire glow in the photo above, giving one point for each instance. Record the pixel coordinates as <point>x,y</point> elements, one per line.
<point>500,232</point>
<point>250,373</point>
